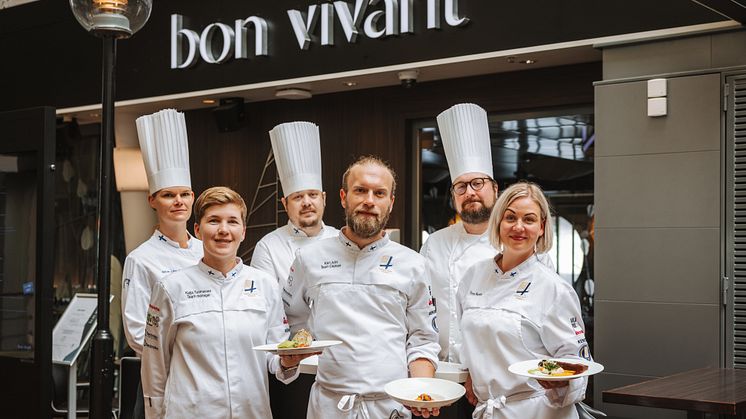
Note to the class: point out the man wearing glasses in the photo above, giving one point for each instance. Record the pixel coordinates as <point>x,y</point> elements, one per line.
<point>450,251</point>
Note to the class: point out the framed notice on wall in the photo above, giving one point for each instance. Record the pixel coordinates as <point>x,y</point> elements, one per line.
<point>74,328</point>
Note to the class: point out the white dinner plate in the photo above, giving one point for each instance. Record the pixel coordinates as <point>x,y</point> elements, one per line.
<point>522,368</point>
<point>406,390</point>
<point>316,346</point>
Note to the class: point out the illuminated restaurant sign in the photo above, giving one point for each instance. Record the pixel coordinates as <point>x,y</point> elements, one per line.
<point>316,24</point>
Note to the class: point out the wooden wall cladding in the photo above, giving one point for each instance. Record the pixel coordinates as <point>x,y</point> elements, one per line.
<point>372,121</point>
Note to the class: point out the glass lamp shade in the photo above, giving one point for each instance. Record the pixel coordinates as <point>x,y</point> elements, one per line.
<point>122,18</point>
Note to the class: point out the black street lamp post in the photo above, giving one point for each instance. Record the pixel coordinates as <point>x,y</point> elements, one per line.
<point>109,20</point>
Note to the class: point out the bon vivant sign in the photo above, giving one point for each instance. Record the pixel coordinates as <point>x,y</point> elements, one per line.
<point>219,42</point>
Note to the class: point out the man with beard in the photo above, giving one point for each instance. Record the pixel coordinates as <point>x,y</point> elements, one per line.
<point>297,150</point>
<point>372,294</point>
<point>452,250</point>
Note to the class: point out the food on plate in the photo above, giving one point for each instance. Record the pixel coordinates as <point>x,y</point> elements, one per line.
<point>424,397</point>
<point>302,339</point>
<point>554,368</point>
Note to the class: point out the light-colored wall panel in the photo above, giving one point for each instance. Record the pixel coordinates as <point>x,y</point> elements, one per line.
<point>692,123</point>
<point>606,381</point>
<point>729,49</point>
<point>684,54</point>
<point>665,190</point>
<point>660,266</point>
<point>656,339</point>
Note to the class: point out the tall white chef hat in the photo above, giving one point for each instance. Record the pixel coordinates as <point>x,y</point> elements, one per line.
<point>165,149</point>
<point>466,139</point>
<point>297,151</point>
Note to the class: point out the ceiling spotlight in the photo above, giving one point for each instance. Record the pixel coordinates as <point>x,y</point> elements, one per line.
<point>350,83</point>
<point>208,101</point>
<point>511,60</point>
<point>293,94</point>
<point>527,61</point>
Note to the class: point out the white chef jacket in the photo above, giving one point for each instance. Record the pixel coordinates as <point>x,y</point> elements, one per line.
<point>450,252</point>
<point>526,313</point>
<point>154,259</point>
<point>275,252</point>
<point>377,301</point>
<point>198,359</point>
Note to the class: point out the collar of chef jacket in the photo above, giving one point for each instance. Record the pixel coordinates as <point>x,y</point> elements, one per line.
<point>217,275</point>
<point>162,238</point>
<point>297,232</point>
<point>372,247</point>
<point>525,265</point>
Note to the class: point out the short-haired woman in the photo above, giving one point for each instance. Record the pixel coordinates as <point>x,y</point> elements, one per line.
<point>513,308</point>
<point>204,320</point>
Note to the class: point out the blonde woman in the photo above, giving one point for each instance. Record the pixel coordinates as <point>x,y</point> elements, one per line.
<point>513,308</point>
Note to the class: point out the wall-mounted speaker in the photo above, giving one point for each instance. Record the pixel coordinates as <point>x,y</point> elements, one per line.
<point>230,114</point>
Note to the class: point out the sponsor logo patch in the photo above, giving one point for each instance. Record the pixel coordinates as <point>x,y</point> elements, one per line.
<point>576,327</point>
<point>523,289</point>
<point>386,263</point>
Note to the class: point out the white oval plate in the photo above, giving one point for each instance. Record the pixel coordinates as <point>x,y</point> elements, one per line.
<point>521,368</point>
<point>316,346</point>
<point>406,390</point>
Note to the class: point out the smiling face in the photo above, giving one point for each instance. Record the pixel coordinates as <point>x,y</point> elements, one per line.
<point>172,205</point>
<point>368,199</point>
<point>221,229</point>
<point>305,208</point>
<point>521,226</point>
<point>475,206</point>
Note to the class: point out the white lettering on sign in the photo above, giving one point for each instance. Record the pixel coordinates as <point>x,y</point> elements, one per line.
<point>234,39</point>
<point>315,24</point>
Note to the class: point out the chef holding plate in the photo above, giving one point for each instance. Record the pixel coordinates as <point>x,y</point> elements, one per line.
<point>514,308</point>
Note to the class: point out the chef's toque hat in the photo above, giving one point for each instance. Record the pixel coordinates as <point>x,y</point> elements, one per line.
<point>466,139</point>
<point>297,151</point>
<point>165,149</point>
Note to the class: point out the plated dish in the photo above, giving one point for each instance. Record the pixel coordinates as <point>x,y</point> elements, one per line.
<point>424,392</point>
<point>556,369</point>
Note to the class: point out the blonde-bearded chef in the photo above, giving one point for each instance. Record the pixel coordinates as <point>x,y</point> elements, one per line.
<point>297,150</point>
<point>164,147</point>
<point>371,293</point>
<point>514,308</point>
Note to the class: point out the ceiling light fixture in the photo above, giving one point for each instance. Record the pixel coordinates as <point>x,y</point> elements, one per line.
<point>208,101</point>
<point>293,94</point>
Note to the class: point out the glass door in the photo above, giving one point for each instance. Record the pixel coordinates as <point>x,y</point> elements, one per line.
<point>27,140</point>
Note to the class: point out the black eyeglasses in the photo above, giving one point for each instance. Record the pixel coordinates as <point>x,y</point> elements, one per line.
<point>459,188</point>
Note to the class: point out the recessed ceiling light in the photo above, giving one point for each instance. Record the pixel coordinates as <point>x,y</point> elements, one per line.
<point>527,61</point>
<point>350,83</point>
<point>208,101</point>
<point>95,115</point>
<point>511,60</point>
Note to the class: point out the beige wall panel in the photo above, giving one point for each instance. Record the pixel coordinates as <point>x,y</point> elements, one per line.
<point>692,123</point>
<point>684,54</point>
<point>660,266</point>
<point>656,339</point>
<point>729,49</point>
<point>665,190</point>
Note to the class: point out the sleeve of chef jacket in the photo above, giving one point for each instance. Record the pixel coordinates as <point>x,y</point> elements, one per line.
<point>278,330</point>
<point>294,296</point>
<point>262,260</point>
<point>135,298</point>
<point>563,334</point>
<point>160,333</point>
<point>422,340</point>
